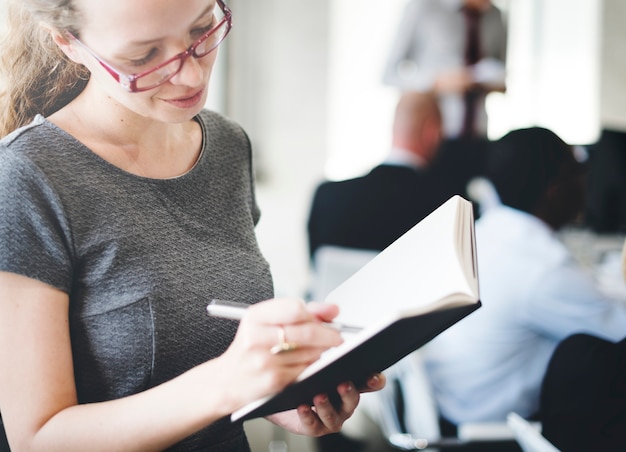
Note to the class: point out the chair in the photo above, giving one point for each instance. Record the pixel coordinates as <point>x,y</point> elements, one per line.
<point>528,435</point>
<point>406,426</point>
<point>405,410</point>
<point>415,425</point>
<point>332,265</point>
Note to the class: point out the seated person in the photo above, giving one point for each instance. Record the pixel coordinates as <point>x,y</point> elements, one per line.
<point>373,210</point>
<point>534,293</point>
<point>583,398</point>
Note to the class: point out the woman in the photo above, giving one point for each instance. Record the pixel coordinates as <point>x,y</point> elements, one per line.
<point>125,207</point>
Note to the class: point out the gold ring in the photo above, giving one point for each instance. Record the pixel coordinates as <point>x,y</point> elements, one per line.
<point>283,345</point>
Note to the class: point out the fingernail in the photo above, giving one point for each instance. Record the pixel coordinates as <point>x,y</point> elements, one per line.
<point>374,380</point>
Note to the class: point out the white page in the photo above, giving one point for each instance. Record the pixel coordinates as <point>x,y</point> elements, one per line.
<point>417,272</point>
<point>420,268</point>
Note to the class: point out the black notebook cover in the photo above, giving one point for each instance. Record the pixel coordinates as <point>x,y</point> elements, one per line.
<point>376,354</point>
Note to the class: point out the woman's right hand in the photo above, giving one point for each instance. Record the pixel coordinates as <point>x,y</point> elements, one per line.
<point>249,368</point>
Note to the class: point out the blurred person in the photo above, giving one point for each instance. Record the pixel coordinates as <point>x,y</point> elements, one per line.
<point>606,204</point>
<point>373,210</point>
<point>583,395</point>
<point>125,206</point>
<point>456,48</point>
<point>534,292</point>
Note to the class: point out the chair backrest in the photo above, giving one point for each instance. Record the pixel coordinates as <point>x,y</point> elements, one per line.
<point>405,410</point>
<point>529,436</point>
<point>407,378</point>
<point>406,407</point>
<point>332,265</point>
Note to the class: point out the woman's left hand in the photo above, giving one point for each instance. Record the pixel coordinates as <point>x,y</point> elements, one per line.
<point>323,417</point>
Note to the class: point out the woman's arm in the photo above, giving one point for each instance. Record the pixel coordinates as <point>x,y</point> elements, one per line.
<point>38,394</point>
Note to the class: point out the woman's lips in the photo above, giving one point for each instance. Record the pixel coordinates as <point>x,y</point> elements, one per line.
<point>187,102</point>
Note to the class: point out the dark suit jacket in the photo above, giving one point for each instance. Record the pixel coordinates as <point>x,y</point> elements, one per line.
<point>373,210</point>
<point>583,396</point>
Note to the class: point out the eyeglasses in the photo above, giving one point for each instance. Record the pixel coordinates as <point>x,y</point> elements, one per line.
<point>160,74</point>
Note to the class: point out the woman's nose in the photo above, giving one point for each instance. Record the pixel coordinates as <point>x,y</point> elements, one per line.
<point>190,74</point>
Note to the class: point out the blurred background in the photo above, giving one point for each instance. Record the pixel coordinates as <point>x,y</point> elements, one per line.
<point>303,77</point>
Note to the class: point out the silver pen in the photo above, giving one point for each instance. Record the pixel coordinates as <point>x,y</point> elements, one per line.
<point>234,310</point>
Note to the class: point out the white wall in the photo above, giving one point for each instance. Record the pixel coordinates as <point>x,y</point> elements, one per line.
<point>360,107</point>
<point>309,95</point>
<point>554,67</point>
<point>613,65</point>
<point>302,77</point>
<point>305,82</point>
<point>278,92</point>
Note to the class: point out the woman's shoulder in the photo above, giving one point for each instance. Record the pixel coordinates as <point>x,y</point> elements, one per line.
<point>218,128</point>
<point>34,138</point>
<point>16,146</point>
<point>212,119</point>
<point>20,132</point>
<point>38,151</point>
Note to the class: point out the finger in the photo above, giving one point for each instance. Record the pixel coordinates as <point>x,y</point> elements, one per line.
<point>374,383</point>
<point>310,421</point>
<point>325,312</point>
<point>350,397</point>
<point>280,311</point>
<point>312,334</point>
<point>329,416</point>
<point>301,357</point>
<point>299,352</point>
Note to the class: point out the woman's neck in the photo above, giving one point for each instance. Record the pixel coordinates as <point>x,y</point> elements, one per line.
<point>134,143</point>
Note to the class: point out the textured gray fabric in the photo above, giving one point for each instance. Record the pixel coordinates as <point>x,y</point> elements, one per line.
<point>140,258</point>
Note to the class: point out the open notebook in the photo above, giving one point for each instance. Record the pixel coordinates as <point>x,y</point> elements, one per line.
<point>420,285</point>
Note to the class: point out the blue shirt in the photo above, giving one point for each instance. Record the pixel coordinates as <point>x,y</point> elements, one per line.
<point>534,294</point>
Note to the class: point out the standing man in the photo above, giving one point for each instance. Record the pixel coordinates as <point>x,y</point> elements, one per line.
<point>456,48</point>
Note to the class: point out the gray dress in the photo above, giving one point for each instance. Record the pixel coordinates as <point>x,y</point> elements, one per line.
<point>140,258</point>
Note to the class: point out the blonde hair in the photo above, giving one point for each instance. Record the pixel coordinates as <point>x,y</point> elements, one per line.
<point>35,76</point>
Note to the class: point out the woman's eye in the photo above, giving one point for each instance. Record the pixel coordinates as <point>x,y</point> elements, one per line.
<point>144,60</point>
<point>201,31</point>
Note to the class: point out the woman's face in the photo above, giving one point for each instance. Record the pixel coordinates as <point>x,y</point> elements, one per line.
<point>135,36</point>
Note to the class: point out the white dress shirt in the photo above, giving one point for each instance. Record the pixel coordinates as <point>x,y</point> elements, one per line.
<point>534,294</point>
<point>431,39</point>
<point>402,157</point>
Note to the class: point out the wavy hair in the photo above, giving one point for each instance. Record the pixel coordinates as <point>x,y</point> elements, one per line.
<point>35,75</point>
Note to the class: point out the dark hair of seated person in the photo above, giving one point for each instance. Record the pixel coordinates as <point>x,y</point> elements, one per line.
<point>535,171</point>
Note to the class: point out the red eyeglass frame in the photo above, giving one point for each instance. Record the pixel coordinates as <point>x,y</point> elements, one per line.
<point>129,82</point>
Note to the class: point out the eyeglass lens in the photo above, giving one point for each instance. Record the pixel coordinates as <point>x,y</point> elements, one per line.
<point>203,47</point>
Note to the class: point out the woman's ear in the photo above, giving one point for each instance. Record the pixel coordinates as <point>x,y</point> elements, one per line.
<point>64,43</point>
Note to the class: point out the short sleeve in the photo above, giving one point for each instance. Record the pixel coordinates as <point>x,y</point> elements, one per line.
<point>34,234</point>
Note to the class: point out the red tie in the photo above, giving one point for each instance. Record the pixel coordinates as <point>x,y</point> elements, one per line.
<point>472,55</point>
